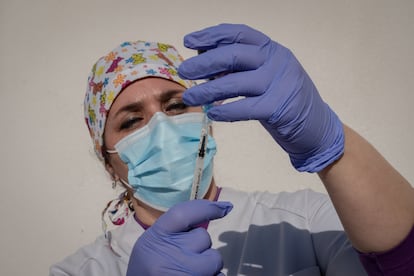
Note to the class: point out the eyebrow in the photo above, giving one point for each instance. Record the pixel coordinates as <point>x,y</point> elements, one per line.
<point>137,106</point>
<point>168,94</point>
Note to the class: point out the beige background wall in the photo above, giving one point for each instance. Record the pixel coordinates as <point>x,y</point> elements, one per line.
<point>359,53</point>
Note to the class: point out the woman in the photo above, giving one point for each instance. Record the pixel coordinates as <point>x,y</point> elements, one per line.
<point>146,131</point>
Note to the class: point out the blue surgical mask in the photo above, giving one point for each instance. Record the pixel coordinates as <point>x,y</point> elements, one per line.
<point>161,159</point>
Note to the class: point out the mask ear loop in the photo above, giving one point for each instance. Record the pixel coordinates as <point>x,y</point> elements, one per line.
<point>117,211</point>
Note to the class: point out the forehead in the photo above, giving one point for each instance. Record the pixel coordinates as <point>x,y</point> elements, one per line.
<point>147,89</point>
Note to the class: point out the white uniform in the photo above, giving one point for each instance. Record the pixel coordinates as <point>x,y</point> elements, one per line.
<point>295,234</point>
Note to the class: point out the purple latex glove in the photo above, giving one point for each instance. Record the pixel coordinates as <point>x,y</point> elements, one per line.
<point>174,245</point>
<point>275,90</point>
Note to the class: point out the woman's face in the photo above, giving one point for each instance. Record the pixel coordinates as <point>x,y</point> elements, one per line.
<point>134,107</point>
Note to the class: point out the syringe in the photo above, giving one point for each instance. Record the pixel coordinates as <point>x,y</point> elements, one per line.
<point>199,166</point>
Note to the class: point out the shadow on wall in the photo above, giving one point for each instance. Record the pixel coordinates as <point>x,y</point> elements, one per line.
<point>282,249</point>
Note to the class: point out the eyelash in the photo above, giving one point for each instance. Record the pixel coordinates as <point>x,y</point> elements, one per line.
<point>178,105</point>
<point>129,123</point>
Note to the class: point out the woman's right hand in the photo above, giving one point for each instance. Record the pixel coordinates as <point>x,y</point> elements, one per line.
<point>174,245</point>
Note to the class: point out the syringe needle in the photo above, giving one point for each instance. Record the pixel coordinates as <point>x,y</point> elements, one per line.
<point>198,171</point>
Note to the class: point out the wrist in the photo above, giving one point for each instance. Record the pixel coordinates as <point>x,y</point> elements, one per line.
<point>325,152</point>
<point>312,144</point>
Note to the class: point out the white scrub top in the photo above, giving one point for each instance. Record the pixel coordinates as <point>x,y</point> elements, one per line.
<point>296,234</point>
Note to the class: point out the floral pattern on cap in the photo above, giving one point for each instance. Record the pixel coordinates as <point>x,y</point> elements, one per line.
<point>125,64</point>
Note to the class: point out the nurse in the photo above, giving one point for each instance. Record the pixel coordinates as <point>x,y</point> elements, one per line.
<point>144,116</point>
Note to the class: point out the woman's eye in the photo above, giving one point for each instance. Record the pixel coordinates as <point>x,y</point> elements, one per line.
<point>176,107</point>
<point>130,123</point>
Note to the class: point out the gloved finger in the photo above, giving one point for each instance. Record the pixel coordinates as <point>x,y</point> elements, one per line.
<point>224,34</point>
<point>196,240</point>
<point>231,58</point>
<point>240,110</point>
<point>226,87</point>
<point>208,262</point>
<point>186,215</point>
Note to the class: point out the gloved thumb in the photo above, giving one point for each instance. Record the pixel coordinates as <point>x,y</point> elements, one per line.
<point>188,214</point>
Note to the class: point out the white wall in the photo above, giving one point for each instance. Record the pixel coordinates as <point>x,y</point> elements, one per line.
<point>359,53</point>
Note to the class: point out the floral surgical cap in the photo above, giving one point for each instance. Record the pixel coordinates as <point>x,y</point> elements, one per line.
<point>125,64</point>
